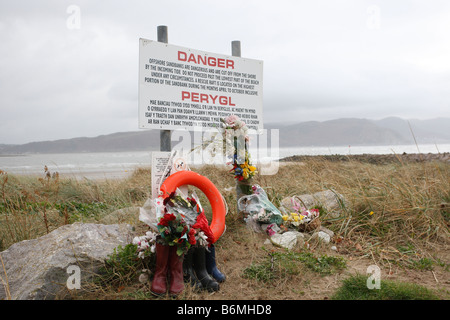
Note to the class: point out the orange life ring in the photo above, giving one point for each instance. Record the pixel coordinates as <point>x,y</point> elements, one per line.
<point>192,178</point>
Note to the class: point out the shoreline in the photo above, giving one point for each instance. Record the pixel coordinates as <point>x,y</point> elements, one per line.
<point>82,175</point>
<point>378,159</point>
<point>375,158</point>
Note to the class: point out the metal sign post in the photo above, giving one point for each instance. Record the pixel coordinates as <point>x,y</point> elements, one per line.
<point>164,135</point>
<point>236,48</point>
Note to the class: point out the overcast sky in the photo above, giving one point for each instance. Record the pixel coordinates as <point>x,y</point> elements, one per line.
<point>70,68</point>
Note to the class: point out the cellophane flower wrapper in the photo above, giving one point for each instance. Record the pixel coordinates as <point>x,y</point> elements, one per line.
<point>259,208</point>
<point>180,205</point>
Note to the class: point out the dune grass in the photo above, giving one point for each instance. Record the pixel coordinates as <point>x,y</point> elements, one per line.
<point>394,214</point>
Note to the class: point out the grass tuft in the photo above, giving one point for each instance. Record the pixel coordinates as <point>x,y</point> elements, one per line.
<point>355,288</point>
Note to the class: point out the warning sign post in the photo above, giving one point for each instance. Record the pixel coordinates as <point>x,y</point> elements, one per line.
<point>182,88</point>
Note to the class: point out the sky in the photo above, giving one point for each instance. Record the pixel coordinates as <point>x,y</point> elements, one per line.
<point>70,68</point>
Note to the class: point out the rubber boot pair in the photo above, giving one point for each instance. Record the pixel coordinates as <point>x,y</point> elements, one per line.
<point>168,263</point>
<point>195,270</point>
<point>211,266</point>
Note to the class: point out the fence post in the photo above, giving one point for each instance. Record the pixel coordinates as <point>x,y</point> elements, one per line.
<point>236,48</point>
<point>164,135</point>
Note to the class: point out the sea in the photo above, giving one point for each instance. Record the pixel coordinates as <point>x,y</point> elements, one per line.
<point>112,165</point>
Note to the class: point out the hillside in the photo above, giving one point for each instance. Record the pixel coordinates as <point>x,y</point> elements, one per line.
<point>115,142</point>
<point>339,132</point>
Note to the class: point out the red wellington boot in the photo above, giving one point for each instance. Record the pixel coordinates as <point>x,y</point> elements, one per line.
<point>175,272</point>
<point>159,284</point>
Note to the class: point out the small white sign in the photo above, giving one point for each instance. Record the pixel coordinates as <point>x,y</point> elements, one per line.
<point>182,88</point>
<point>159,166</point>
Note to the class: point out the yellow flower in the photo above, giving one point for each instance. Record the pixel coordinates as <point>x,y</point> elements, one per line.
<point>285,217</point>
<point>371,213</point>
<point>245,173</point>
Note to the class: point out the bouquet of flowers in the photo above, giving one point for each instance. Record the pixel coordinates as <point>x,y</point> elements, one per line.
<point>146,244</point>
<point>236,147</point>
<point>184,223</point>
<point>174,232</point>
<point>301,217</point>
<point>259,208</point>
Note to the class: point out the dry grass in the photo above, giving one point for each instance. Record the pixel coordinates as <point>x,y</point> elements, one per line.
<point>395,215</point>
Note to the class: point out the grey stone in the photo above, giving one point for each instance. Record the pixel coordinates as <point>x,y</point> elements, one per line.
<point>321,236</point>
<point>38,269</point>
<point>327,231</point>
<point>288,240</point>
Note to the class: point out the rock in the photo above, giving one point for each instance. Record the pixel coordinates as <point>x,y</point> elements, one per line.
<point>143,278</point>
<point>329,200</point>
<point>321,236</point>
<point>327,231</point>
<point>128,215</point>
<point>38,269</point>
<point>288,240</point>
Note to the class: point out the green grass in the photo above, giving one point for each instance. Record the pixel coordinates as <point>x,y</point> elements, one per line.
<point>122,266</point>
<point>277,265</point>
<point>355,288</point>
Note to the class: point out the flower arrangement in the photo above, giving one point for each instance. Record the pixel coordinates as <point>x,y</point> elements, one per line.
<point>174,232</point>
<point>236,146</point>
<point>184,223</point>
<point>146,244</point>
<point>298,218</point>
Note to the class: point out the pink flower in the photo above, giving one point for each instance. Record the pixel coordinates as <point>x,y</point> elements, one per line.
<point>231,120</point>
<point>270,231</point>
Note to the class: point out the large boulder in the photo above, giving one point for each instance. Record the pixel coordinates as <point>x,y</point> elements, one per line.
<point>39,269</point>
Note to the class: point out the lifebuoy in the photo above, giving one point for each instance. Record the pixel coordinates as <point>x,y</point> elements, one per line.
<point>192,178</point>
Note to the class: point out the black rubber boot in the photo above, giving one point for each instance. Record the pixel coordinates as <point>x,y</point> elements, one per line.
<point>211,266</point>
<point>207,282</point>
<point>188,271</point>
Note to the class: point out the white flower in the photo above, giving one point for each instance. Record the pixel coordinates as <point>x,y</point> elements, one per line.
<point>136,240</point>
<point>144,245</point>
<point>151,236</point>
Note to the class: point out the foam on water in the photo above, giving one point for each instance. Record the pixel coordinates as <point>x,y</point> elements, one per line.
<point>106,164</point>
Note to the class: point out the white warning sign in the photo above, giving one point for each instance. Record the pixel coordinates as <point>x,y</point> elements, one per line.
<point>181,88</point>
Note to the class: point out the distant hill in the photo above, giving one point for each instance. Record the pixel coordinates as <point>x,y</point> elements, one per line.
<point>115,142</point>
<point>425,131</point>
<point>352,131</point>
<point>339,132</point>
